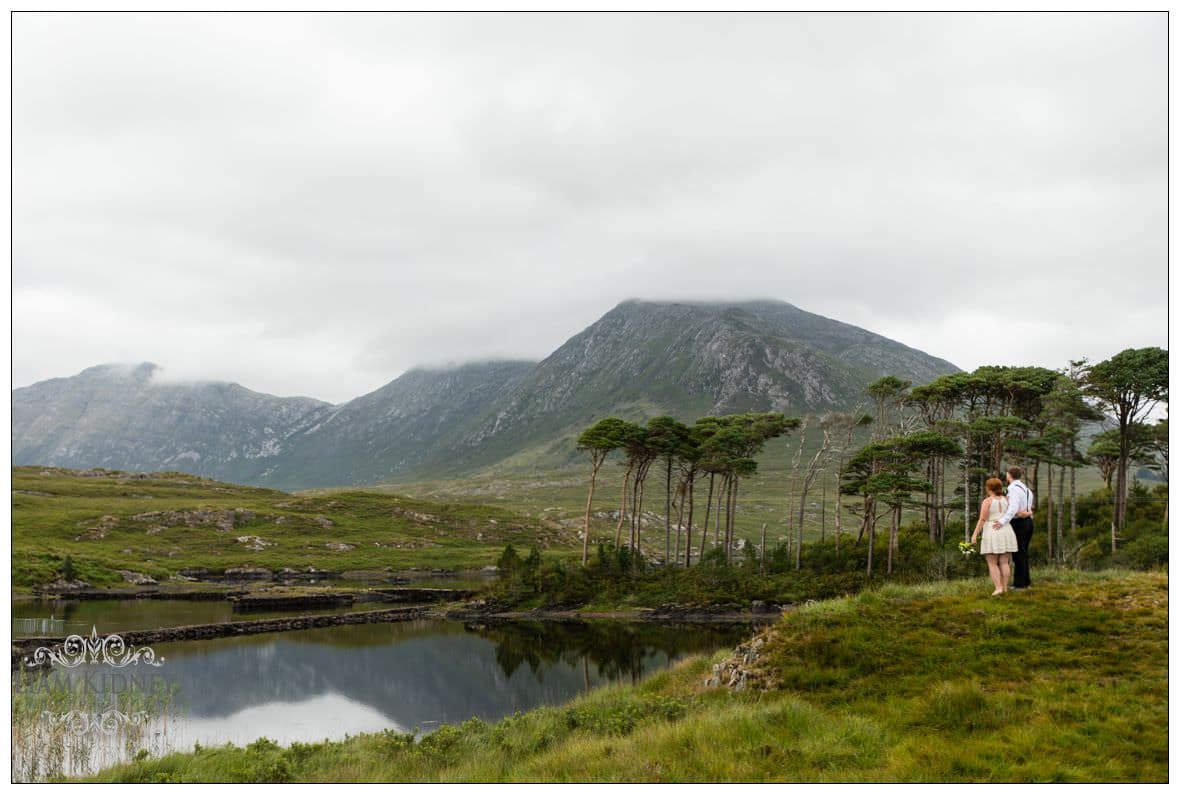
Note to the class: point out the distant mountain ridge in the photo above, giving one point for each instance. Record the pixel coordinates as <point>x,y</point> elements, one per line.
<point>641,359</point>
<point>121,417</point>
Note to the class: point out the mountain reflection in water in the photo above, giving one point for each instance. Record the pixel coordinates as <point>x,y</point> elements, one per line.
<point>409,676</point>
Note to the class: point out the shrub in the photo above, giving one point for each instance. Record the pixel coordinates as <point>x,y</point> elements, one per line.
<point>1144,552</point>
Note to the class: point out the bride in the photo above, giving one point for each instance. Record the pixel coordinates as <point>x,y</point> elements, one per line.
<point>998,544</point>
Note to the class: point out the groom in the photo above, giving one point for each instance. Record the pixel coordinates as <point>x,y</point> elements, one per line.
<point>1019,513</point>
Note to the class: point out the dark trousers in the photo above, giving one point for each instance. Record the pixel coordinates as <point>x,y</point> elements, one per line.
<point>1024,532</point>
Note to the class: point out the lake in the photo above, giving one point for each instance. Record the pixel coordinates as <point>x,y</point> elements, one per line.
<point>409,676</point>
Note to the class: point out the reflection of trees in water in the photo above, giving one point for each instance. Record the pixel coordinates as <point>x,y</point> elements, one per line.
<point>420,673</point>
<point>617,650</point>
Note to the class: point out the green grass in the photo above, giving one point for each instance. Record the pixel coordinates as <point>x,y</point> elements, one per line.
<point>58,512</point>
<point>1066,682</point>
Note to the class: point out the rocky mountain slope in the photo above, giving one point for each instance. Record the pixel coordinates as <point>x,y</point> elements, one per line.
<point>640,359</point>
<point>389,432</point>
<point>685,359</point>
<point>122,417</point>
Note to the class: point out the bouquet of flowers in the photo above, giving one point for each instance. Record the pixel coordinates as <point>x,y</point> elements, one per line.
<point>966,548</point>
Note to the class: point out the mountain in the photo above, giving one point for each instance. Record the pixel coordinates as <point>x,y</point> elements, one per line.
<point>388,433</point>
<point>685,359</point>
<point>641,359</point>
<point>124,417</point>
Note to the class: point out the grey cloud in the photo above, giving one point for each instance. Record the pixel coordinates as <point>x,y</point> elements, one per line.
<point>310,204</point>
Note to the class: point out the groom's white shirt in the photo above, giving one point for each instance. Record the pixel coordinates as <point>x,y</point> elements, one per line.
<point>1019,499</point>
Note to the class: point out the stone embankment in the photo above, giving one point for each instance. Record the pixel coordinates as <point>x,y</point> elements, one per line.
<point>757,613</point>
<point>740,670</point>
<point>423,595</point>
<point>264,601</point>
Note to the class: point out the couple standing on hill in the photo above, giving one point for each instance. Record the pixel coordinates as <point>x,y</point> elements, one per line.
<point>1005,521</point>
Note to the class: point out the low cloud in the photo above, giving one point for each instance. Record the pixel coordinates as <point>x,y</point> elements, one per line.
<point>313,204</point>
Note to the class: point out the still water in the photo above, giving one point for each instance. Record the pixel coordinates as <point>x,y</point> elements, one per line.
<point>124,615</point>
<point>409,676</point>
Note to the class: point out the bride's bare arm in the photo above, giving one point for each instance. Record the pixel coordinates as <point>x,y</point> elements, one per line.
<point>983,510</point>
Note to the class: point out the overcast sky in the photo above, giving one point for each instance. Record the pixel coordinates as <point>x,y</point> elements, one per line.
<point>313,204</point>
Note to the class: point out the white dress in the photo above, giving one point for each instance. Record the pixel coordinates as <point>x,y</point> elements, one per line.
<point>994,541</point>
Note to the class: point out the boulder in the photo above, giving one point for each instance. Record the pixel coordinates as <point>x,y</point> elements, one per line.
<point>248,573</point>
<point>136,578</point>
<point>64,586</point>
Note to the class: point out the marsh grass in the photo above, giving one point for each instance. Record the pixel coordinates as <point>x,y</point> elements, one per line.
<point>937,682</point>
<point>74,724</point>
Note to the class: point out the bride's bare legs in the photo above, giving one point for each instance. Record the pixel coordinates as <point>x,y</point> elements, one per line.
<point>1006,570</point>
<point>993,568</point>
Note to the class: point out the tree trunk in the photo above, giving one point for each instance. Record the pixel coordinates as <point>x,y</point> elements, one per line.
<point>596,462</point>
<point>1049,512</point>
<point>725,527</point>
<point>634,507</point>
<point>1120,505</point>
<point>688,530</point>
<point>897,532</point>
<point>943,513</point>
<point>799,541</point>
<point>762,552</point>
<point>967,498</point>
<point>639,513</point>
<point>722,494</point>
<point>679,528</point>
<point>622,509</point>
<point>708,510</point>
<point>892,539</point>
<point>728,534</point>
<point>869,568</point>
<point>839,505</point>
<point>1073,502</point>
<point>929,507</point>
<point>668,515</point>
<point>1061,514</point>
<point>866,522</point>
<point>731,518</point>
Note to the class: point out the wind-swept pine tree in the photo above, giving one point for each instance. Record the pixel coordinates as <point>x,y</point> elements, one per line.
<point>600,439</point>
<point>667,438</point>
<point>1129,385</point>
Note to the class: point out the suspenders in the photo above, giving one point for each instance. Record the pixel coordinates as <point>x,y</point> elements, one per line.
<point>1028,496</point>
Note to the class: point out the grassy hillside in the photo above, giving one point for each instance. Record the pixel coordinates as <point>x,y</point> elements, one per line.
<point>165,522</point>
<point>1067,682</point>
